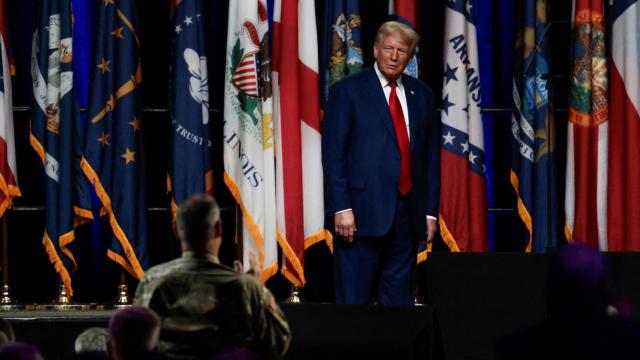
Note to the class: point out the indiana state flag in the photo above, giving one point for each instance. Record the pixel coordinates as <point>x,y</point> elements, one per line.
<point>533,168</point>
<point>463,203</point>
<point>56,134</point>
<point>190,169</point>
<point>113,159</point>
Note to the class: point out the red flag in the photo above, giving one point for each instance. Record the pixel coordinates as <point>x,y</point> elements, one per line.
<point>299,192</point>
<point>624,129</point>
<point>8,170</point>
<point>588,127</point>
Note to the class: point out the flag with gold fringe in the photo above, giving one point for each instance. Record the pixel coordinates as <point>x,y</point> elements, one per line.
<point>533,157</point>
<point>56,135</point>
<point>190,167</point>
<point>463,204</point>
<point>8,168</point>
<point>113,153</point>
<point>248,130</point>
<point>299,181</point>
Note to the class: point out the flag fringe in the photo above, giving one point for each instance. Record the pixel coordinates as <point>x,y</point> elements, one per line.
<point>58,265</point>
<point>568,233</point>
<point>293,259</point>
<point>448,238</point>
<point>522,210</point>
<point>248,219</point>
<point>422,255</point>
<point>317,237</point>
<point>292,277</point>
<point>134,267</point>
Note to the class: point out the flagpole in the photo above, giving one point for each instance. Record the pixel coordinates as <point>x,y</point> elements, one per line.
<point>5,250</point>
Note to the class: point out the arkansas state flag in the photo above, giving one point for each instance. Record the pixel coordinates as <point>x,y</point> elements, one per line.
<point>8,169</point>
<point>624,128</point>
<point>463,199</point>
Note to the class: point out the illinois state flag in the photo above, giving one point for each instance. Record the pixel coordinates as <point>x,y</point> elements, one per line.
<point>463,204</point>
<point>587,129</point>
<point>300,199</point>
<point>8,168</point>
<point>56,135</point>
<point>113,153</point>
<point>249,159</point>
<point>190,168</point>
<point>624,128</point>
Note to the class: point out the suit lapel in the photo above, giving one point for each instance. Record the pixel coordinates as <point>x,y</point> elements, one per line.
<point>412,105</point>
<point>380,102</point>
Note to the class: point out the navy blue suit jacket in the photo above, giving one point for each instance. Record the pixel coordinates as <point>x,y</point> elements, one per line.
<point>361,157</point>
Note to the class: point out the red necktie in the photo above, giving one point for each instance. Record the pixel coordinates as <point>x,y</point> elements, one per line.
<point>404,185</point>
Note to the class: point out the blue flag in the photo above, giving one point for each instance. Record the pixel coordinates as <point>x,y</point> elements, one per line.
<point>341,43</point>
<point>113,154</point>
<point>190,169</point>
<point>56,135</point>
<point>533,168</point>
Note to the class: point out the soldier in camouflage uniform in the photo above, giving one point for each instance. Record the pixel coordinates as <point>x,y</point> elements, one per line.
<point>206,307</point>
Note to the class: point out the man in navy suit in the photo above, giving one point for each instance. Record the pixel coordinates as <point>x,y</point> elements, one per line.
<point>380,155</point>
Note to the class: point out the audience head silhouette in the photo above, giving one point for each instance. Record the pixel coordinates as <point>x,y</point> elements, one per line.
<point>133,333</point>
<point>20,351</point>
<point>578,282</point>
<point>199,226</point>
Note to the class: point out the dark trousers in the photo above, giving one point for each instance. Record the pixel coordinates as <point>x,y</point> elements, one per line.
<point>380,268</point>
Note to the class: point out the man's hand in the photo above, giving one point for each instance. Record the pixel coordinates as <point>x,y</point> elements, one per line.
<point>345,225</point>
<point>431,229</point>
<point>254,266</point>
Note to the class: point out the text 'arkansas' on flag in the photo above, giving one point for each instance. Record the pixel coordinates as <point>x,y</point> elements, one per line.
<point>463,205</point>
<point>113,154</point>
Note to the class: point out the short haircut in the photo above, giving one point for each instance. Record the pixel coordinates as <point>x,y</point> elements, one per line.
<point>407,33</point>
<point>92,339</point>
<point>197,217</point>
<point>132,330</point>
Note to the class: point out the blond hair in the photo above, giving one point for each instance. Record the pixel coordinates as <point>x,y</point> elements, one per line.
<point>407,33</point>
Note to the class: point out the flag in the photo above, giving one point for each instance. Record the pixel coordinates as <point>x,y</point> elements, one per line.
<point>341,43</point>
<point>587,129</point>
<point>407,12</point>
<point>249,159</point>
<point>56,134</point>
<point>299,189</point>
<point>533,167</point>
<point>624,128</point>
<point>463,204</point>
<point>190,168</point>
<point>8,168</point>
<point>113,154</point>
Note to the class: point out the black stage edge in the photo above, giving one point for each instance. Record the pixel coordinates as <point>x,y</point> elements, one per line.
<point>472,300</point>
<point>476,298</point>
<point>319,331</point>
